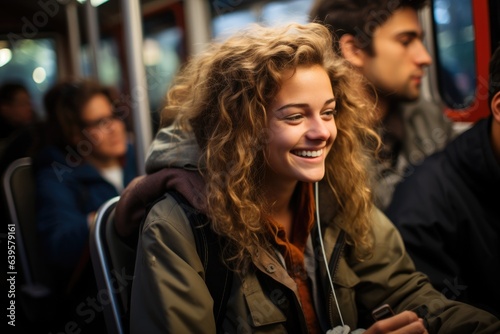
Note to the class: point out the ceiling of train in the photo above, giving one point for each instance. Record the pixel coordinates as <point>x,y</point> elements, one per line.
<point>45,16</point>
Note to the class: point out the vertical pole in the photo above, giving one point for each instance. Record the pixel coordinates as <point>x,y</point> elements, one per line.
<point>73,38</point>
<point>93,37</point>
<point>198,25</point>
<point>137,74</point>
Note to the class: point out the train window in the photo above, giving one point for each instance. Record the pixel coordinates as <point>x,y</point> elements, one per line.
<point>455,46</point>
<point>163,52</point>
<point>162,58</point>
<point>223,25</point>
<point>32,62</point>
<point>109,64</point>
<point>230,15</point>
<point>280,12</point>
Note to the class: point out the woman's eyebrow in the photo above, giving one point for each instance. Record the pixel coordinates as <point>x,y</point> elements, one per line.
<point>302,105</point>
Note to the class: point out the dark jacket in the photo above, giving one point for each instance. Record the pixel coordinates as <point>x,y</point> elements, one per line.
<point>68,189</point>
<point>169,294</point>
<point>448,213</point>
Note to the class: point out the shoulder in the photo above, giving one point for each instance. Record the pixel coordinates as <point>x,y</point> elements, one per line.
<point>431,169</point>
<point>428,111</point>
<point>50,166</point>
<point>427,181</point>
<point>389,251</point>
<point>68,166</point>
<point>388,257</point>
<point>167,237</point>
<point>383,229</point>
<point>47,155</point>
<point>427,126</point>
<point>388,242</point>
<point>168,220</point>
<point>426,185</point>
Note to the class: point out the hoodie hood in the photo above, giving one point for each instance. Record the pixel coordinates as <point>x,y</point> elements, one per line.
<point>171,164</point>
<point>173,147</point>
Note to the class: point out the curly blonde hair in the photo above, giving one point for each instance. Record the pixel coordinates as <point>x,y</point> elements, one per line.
<point>223,95</point>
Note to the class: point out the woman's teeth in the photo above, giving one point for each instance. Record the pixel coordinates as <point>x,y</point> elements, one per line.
<point>312,154</point>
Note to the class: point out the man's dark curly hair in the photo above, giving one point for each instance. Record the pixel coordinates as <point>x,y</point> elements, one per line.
<point>359,18</point>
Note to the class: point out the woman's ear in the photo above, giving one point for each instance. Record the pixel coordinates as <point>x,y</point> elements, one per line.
<point>350,51</point>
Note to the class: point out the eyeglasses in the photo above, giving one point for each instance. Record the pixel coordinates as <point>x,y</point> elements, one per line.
<point>102,122</point>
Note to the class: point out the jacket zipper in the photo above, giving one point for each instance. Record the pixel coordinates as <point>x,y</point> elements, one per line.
<point>334,262</point>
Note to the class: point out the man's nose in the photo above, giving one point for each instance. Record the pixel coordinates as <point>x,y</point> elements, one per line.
<point>422,56</point>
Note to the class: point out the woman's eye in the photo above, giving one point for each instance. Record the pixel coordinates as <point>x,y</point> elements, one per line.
<point>330,112</point>
<point>295,117</point>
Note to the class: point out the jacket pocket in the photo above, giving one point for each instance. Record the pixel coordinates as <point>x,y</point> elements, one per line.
<point>262,310</point>
<point>345,281</point>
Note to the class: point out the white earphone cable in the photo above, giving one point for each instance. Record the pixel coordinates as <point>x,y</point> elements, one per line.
<point>316,197</point>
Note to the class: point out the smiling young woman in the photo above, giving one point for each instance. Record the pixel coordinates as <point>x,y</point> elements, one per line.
<point>269,145</point>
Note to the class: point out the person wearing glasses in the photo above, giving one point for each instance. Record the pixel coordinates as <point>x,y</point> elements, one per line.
<point>86,160</point>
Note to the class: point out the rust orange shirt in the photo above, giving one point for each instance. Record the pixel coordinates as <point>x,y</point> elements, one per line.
<point>293,248</point>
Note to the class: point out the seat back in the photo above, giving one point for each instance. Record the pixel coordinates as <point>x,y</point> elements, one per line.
<point>19,193</point>
<point>113,262</point>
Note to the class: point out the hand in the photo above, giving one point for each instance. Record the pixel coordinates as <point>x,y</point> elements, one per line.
<point>406,322</point>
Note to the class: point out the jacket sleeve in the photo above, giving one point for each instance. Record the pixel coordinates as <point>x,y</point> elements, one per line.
<point>169,294</point>
<point>389,276</point>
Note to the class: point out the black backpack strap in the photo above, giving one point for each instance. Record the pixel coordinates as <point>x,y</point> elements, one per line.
<point>218,277</point>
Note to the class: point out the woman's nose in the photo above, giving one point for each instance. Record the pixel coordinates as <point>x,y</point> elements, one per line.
<point>319,129</point>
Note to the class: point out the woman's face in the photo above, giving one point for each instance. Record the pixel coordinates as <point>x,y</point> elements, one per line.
<point>103,129</point>
<point>302,126</point>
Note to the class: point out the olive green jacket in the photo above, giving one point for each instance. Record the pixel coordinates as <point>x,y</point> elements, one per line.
<point>169,294</point>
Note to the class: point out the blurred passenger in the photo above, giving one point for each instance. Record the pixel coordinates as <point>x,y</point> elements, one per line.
<point>18,131</point>
<point>273,111</point>
<point>17,123</point>
<point>448,211</point>
<point>86,160</point>
<point>383,40</point>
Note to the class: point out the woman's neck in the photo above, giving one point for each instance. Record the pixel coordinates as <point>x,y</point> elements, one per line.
<point>101,164</point>
<point>279,198</point>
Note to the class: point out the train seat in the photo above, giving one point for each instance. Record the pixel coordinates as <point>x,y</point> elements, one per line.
<point>113,262</point>
<point>19,192</point>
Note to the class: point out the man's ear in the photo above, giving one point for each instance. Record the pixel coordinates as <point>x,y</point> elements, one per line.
<point>495,107</point>
<point>350,51</point>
